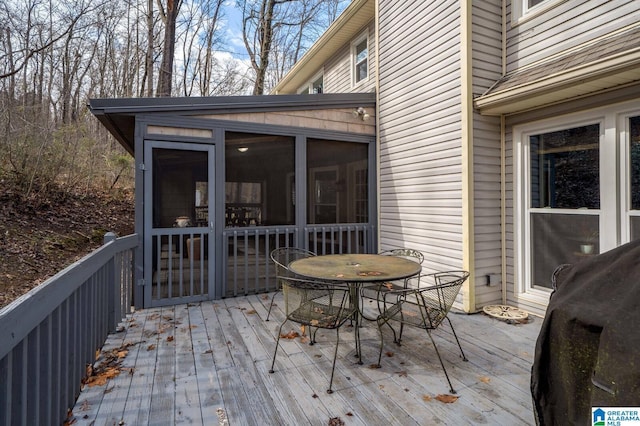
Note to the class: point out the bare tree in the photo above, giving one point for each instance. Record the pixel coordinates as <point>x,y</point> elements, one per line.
<point>169,15</point>
<point>275,34</point>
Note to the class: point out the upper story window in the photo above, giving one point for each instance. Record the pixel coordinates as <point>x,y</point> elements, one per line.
<point>315,85</point>
<point>523,10</point>
<point>529,4</point>
<point>360,58</point>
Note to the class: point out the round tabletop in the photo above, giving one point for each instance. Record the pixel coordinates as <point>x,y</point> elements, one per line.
<point>355,267</point>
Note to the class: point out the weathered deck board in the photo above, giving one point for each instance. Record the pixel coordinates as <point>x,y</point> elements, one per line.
<point>208,364</point>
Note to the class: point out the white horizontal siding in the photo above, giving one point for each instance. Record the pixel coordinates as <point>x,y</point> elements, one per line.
<point>419,126</point>
<point>565,26</point>
<point>487,69</point>
<point>337,71</point>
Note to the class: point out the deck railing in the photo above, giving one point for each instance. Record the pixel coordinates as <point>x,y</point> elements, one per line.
<point>248,267</point>
<point>49,335</point>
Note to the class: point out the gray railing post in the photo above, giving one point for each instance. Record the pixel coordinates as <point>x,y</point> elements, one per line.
<point>112,293</point>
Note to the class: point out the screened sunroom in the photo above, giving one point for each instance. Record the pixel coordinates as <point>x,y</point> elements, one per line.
<point>220,182</point>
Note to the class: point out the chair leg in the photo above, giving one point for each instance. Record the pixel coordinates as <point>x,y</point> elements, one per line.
<point>441,363</point>
<point>464,358</point>
<point>275,352</point>
<point>271,305</point>
<point>358,345</point>
<point>380,324</point>
<point>335,355</point>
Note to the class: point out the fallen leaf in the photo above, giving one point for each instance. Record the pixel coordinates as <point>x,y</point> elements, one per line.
<point>447,399</point>
<point>401,373</point>
<point>151,347</point>
<point>315,396</point>
<point>349,414</point>
<point>208,351</point>
<point>290,335</point>
<point>193,326</point>
<point>336,421</point>
<point>122,354</point>
<point>314,322</point>
<point>484,379</point>
<point>389,354</point>
<point>169,338</point>
<point>426,398</point>
<point>251,311</point>
<point>374,366</point>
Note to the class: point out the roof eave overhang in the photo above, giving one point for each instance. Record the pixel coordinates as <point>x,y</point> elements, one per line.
<point>118,115</point>
<point>347,26</point>
<point>595,77</point>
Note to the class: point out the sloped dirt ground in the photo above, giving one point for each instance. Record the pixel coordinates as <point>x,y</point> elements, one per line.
<point>42,234</point>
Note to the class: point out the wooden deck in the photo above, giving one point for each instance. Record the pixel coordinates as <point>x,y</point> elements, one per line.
<point>207,364</point>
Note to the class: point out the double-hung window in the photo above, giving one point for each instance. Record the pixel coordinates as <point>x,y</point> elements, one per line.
<point>522,10</point>
<point>360,58</point>
<point>577,181</point>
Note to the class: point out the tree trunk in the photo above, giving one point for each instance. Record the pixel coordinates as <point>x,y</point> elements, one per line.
<point>165,76</point>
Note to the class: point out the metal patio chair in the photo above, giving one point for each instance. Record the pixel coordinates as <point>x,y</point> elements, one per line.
<point>318,305</point>
<point>376,292</point>
<point>281,257</point>
<point>424,305</point>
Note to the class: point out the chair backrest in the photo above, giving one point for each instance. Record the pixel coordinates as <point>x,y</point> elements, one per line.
<point>321,304</point>
<point>411,254</point>
<point>436,294</point>
<point>283,256</point>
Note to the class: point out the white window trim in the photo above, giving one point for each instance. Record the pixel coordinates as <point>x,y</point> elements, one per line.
<point>354,44</point>
<point>521,14</point>
<point>614,205</point>
<point>309,84</point>
<point>625,185</point>
<point>523,288</point>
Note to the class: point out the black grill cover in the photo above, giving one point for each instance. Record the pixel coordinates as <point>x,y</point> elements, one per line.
<point>588,351</point>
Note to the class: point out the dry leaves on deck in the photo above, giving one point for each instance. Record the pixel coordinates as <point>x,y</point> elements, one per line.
<point>336,421</point>
<point>447,399</point>
<point>290,335</point>
<point>108,368</point>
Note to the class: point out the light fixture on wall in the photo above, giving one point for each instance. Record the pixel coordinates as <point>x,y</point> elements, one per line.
<point>362,113</point>
<point>243,149</point>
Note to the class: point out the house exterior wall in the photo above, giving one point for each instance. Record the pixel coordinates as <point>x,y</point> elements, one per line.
<point>420,130</point>
<point>486,54</point>
<point>544,34</point>
<point>532,40</point>
<point>337,71</point>
<point>325,119</point>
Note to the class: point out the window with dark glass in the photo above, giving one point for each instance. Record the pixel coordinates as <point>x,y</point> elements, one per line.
<point>258,169</point>
<point>337,182</point>
<point>317,85</point>
<point>634,176</point>
<point>564,175</point>
<point>565,168</point>
<point>533,3</point>
<point>361,62</point>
